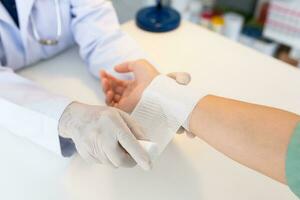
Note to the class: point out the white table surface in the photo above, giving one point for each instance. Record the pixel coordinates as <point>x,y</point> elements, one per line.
<point>188,169</point>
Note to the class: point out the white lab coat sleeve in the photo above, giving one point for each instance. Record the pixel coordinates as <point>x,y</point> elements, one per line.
<point>30,111</point>
<point>164,107</point>
<point>97,31</point>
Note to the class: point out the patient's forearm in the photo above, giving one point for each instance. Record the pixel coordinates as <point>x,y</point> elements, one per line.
<point>256,136</point>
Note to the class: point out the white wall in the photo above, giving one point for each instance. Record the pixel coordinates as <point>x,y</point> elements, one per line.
<point>127,9</point>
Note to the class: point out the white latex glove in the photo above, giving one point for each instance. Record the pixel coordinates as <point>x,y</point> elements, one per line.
<point>104,135</point>
<point>183,78</point>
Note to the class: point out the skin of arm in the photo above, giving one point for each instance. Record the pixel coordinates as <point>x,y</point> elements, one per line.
<point>253,135</point>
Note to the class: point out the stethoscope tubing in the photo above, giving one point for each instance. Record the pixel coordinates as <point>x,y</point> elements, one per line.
<point>44,41</point>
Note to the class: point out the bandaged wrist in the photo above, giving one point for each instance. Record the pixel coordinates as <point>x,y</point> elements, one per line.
<point>164,107</point>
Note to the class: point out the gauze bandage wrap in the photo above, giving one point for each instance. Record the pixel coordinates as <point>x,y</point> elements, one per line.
<point>163,109</point>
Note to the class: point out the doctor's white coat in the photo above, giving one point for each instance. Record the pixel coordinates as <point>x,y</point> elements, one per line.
<point>29,110</point>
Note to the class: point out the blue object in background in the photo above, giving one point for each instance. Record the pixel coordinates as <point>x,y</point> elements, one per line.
<point>253,31</point>
<point>158,18</point>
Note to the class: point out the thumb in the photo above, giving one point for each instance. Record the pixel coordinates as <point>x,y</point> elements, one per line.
<point>127,67</point>
<point>182,78</point>
<point>123,67</point>
<point>138,68</point>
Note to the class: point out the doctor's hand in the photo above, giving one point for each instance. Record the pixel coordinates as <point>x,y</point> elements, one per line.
<point>104,135</point>
<point>125,94</point>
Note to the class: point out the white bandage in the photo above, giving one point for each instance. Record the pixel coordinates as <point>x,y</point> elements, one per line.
<point>163,109</point>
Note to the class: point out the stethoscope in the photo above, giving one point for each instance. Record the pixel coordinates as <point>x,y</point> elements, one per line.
<point>49,41</point>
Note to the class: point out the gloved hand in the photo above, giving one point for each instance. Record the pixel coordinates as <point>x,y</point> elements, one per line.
<point>125,94</point>
<point>104,135</point>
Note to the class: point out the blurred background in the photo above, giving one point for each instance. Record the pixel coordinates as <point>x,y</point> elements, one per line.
<point>271,27</point>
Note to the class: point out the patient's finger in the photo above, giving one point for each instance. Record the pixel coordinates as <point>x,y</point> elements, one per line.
<point>114,83</point>
<point>116,105</point>
<point>116,80</point>
<point>108,75</point>
<point>102,74</point>
<point>109,97</point>
<point>105,78</point>
<point>105,85</point>
<point>120,90</point>
<point>123,68</point>
<point>112,104</point>
<point>117,98</point>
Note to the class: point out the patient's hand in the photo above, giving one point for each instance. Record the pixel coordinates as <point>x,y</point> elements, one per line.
<point>125,94</point>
